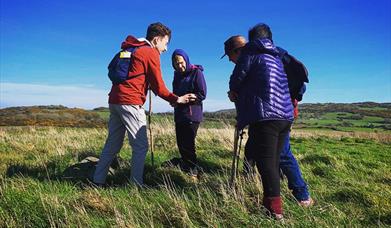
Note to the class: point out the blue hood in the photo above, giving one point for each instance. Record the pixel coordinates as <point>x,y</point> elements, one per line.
<point>185,57</point>
<point>261,45</point>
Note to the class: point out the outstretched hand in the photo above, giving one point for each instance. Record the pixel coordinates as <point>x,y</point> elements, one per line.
<point>186,98</point>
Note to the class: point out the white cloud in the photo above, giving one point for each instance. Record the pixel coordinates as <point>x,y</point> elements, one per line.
<point>87,97</point>
<point>15,94</point>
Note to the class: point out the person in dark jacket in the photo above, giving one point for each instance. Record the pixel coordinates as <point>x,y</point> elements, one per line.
<point>263,102</point>
<point>188,78</point>
<point>288,163</point>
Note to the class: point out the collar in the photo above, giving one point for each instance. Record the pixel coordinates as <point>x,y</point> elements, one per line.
<point>145,40</point>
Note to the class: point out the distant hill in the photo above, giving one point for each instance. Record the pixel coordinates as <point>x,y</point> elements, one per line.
<point>365,116</point>
<point>334,116</point>
<point>363,108</point>
<point>50,116</point>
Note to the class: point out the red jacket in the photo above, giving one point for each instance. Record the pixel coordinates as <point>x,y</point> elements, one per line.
<point>145,64</point>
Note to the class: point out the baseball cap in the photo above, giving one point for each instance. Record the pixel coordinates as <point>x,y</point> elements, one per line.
<point>233,43</point>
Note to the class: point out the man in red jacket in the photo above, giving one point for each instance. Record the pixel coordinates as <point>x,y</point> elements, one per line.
<point>126,102</point>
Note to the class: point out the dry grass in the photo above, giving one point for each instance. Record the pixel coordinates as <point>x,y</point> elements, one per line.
<point>42,141</point>
<point>210,202</point>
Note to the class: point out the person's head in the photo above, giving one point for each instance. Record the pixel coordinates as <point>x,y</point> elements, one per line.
<point>180,61</point>
<point>159,35</point>
<point>260,30</point>
<point>233,47</point>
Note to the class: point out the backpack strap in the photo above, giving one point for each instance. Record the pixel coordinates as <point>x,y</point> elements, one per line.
<point>133,51</point>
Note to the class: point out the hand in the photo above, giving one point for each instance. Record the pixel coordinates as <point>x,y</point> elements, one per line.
<point>185,98</point>
<point>192,97</point>
<point>233,96</point>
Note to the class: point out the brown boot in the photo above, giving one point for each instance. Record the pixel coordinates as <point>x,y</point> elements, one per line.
<point>274,206</point>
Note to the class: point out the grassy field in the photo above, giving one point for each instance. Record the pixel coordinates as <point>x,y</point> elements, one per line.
<point>349,176</point>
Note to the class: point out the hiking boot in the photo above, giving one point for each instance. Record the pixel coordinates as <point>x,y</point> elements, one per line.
<point>307,203</point>
<point>274,206</point>
<point>193,172</point>
<point>278,217</point>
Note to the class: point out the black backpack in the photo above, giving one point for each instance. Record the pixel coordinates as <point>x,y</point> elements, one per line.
<point>297,74</point>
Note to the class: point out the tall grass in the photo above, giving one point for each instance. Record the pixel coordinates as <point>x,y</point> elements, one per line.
<point>349,176</point>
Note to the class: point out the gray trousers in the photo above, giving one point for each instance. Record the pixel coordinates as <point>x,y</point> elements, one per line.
<point>132,119</point>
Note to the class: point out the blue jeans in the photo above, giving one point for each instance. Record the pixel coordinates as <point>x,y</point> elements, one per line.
<point>288,166</point>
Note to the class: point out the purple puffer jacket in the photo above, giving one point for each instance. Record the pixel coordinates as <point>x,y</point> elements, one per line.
<point>191,81</point>
<point>261,84</point>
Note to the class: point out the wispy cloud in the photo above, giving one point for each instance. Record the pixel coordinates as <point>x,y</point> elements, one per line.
<point>19,94</point>
<point>15,94</point>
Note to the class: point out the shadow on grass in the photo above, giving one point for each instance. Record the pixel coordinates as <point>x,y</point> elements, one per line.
<point>56,168</point>
<point>157,176</point>
<point>355,196</point>
<point>81,172</point>
<point>47,171</point>
<point>316,158</point>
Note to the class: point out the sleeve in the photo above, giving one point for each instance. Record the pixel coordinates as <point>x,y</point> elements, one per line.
<point>174,85</point>
<point>154,77</point>
<point>240,73</point>
<point>200,86</point>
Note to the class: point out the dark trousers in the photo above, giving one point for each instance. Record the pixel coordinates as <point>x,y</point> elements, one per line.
<point>289,167</point>
<point>265,142</point>
<point>186,133</point>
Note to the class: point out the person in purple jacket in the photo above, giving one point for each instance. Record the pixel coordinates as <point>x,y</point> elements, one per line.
<point>263,102</point>
<point>288,163</point>
<point>188,78</point>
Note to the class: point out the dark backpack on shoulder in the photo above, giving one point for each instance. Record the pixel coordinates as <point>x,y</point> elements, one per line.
<point>297,75</point>
<point>119,65</point>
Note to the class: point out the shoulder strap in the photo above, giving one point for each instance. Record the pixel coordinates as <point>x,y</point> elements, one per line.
<point>133,50</point>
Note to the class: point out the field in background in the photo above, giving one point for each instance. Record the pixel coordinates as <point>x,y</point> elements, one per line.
<point>344,151</point>
<point>348,173</point>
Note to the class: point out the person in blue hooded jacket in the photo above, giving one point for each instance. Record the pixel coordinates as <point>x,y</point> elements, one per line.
<point>288,163</point>
<point>263,102</point>
<point>188,78</point>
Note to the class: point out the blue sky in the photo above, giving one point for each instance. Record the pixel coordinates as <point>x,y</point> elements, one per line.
<point>57,52</point>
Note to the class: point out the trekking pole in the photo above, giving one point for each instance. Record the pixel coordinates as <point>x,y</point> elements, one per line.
<point>150,128</point>
<point>240,136</point>
<point>235,157</point>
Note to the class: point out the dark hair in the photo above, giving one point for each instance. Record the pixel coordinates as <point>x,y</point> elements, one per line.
<point>158,29</point>
<point>260,30</point>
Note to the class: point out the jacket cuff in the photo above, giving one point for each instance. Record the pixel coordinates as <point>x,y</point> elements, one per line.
<point>172,98</point>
